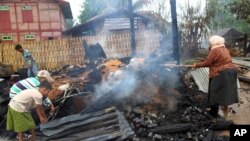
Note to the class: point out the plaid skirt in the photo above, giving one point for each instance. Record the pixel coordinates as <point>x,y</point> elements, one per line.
<point>223,88</point>
<point>19,121</point>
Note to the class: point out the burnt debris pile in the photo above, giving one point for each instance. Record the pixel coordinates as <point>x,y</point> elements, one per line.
<point>148,101</point>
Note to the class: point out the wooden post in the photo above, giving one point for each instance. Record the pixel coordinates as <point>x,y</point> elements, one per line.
<point>1,46</point>
<point>175,31</point>
<point>245,45</point>
<point>132,27</point>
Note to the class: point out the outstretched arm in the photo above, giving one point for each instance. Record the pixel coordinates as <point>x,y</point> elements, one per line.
<point>40,112</point>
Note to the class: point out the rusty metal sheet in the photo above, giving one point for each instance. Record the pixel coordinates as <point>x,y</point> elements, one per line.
<point>201,78</point>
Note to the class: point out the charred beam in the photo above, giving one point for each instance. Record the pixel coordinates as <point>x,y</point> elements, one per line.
<point>222,125</point>
<point>244,78</point>
<point>175,31</point>
<point>170,129</point>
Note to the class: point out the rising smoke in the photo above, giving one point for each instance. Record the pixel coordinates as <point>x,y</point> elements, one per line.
<point>142,82</point>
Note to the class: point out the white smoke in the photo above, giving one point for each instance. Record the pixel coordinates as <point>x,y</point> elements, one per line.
<point>121,82</point>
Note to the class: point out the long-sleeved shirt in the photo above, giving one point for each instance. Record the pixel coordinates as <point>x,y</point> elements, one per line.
<point>28,83</point>
<point>218,59</point>
<point>28,59</point>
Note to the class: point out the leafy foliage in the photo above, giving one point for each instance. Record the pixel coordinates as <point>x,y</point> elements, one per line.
<point>219,16</point>
<point>70,23</point>
<point>241,9</point>
<point>222,15</point>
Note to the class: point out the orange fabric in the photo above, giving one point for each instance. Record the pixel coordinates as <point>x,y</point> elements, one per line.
<point>218,59</point>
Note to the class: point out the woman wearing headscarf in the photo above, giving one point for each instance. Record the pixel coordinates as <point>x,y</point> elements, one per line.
<point>222,77</point>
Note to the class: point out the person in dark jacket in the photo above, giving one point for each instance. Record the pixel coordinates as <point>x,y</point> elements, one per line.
<point>222,77</point>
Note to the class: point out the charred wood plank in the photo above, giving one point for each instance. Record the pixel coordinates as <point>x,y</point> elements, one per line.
<point>209,136</point>
<point>3,122</point>
<point>170,129</point>
<point>222,125</point>
<point>244,78</point>
<point>6,70</point>
<point>59,129</point>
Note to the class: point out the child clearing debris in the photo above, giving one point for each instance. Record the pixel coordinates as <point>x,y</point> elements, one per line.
<point>19,116</point>
<point>31,83</point>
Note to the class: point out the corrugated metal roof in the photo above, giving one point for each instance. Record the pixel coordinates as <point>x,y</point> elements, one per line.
<point>119,23</point>
<point>201,78</point>
<point>107,124</point>
<point>95,20</point>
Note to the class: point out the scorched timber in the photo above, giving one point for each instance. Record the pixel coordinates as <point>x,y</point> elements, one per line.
<point>169,129</point>
<point>244,78</point>
<point>222,125</point>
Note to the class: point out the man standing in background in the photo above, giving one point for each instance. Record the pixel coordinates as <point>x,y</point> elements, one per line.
<point>29,61</point>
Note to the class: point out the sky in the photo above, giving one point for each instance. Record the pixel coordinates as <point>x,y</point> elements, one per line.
<point>76,5</point>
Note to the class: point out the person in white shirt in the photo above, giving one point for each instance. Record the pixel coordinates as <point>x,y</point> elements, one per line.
<point>19,116</point>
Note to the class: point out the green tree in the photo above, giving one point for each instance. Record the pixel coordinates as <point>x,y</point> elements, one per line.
<point>228,14</point>
<point>241,9</point>
<point>70,23</point>
<point>218,14</point>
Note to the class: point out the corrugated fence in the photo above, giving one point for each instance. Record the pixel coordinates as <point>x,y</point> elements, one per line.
<point>54,54</point>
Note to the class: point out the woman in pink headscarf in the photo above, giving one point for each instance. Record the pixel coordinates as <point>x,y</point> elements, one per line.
<point>222,77</point>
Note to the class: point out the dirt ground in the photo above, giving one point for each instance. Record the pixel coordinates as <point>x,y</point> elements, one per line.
<point>243,108</point>
<point>240,112</point>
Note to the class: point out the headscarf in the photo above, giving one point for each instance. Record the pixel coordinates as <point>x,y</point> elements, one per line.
<point>217,41</point>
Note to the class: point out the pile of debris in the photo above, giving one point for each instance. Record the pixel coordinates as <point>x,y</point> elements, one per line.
<point>149,102</point>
